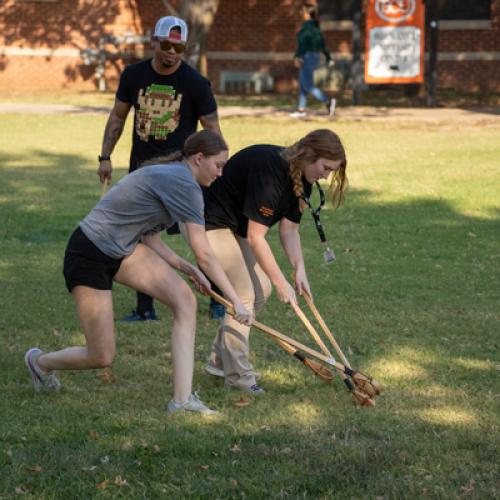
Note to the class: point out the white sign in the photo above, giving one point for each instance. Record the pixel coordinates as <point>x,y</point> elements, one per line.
<point>394,52</point>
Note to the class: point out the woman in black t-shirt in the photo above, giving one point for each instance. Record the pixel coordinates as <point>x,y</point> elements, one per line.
<point>263,185</point>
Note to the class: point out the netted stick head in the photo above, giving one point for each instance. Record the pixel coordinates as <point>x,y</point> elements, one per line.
<point>376,385</point>
<point>319,370</point>
<point>362,399</point>
<point>365,384</point>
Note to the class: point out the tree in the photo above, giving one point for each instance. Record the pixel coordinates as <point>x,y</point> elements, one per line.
<point>199,15</point>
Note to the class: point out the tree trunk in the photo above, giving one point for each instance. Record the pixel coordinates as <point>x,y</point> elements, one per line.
<point>199,15</point>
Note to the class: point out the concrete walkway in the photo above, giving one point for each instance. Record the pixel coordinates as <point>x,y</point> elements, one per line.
<point>458,116</point>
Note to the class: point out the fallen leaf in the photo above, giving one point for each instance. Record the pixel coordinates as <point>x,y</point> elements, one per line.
<point>215,454</point>
<point>56,332</point>
<point>93,435</point>
<point>234,483</point>
<point>211,478</point>
<point>468,488</point>
<point>35,469</point>
<point>286,451</point>
<point>241,402</point>
<point>348,250</point>
<point>235,449</point>
<point>156,448</point>
<point>106,376</point>
<point>119,481</point>
<point>90,469</point>
<point>265,428</point>
<point>204,467</point>
<point>102,485</point>
<point>127,446</point>
<point>471,235</point>
<point>22,489</point>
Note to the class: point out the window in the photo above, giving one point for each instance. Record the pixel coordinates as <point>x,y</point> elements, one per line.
<point>470,10</point>
<point>337,10</point>
<point>455,10</point>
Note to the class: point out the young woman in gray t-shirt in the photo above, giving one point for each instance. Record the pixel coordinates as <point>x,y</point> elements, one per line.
<point>105,248</point>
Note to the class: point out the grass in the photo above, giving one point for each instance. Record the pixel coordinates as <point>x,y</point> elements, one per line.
<point>412,298</point>
<point>384,95</point>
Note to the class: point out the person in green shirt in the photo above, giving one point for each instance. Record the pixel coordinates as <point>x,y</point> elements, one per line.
<point>311,44</point>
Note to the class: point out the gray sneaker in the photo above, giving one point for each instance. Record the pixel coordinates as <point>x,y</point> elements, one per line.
<point>193,404</point>
<point>42,381</point>
<point>212,370</point>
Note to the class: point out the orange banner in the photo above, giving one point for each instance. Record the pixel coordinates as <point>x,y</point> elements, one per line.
<point>395,41</point>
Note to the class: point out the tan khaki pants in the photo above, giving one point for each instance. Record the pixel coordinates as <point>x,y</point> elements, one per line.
<point>230,349</point>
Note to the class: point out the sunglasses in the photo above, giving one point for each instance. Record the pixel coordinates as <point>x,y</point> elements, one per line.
<point>166,45</point>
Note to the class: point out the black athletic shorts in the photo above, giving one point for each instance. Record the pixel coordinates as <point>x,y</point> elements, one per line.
<point>85,264</point>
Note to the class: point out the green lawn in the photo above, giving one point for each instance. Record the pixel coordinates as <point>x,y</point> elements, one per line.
<point>413,298</point>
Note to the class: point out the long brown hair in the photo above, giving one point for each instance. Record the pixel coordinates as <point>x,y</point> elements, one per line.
<point>205,141</point>
<point>320,143</point>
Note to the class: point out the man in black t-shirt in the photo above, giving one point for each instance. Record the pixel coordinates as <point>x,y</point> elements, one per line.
<point>169,98</point>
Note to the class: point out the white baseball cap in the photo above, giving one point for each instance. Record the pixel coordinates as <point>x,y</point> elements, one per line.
<point>163,29</point>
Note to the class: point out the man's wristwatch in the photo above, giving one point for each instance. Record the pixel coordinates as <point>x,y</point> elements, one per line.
<point>104,158</point>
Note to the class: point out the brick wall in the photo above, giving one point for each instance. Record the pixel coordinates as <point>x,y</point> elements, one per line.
<point>41,43</point>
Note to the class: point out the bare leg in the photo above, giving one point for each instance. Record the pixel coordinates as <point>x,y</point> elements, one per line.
<point>147,272</point>
<point>95,310</point>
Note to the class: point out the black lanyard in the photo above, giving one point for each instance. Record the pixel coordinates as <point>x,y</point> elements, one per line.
<point>328,255</point>
<point>315,212</point>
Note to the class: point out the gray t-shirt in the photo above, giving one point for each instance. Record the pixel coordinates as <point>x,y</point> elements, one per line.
<point>146,201</point>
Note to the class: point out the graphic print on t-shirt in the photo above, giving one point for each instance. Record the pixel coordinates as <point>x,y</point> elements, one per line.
<point>158,113</point>
<point>266,211</point>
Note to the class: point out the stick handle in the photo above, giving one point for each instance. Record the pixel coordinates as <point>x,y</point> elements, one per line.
<point>325,328</point>
<point>318,339</point>
<point>104,188</point>
<point>280,336</point>
<point>311,329</point>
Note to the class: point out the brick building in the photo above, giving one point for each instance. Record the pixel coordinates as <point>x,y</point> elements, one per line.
<point>57,44</point>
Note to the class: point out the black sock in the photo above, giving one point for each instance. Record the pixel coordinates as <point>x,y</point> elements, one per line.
<point>144,304</point>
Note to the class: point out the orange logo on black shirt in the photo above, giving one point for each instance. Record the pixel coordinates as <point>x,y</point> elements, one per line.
<point>266,212</point>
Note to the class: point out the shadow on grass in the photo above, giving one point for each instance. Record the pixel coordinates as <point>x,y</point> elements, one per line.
<point>412,299</point>
<point>36,187</point>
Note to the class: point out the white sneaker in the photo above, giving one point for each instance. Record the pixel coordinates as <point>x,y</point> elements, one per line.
<point>212,370</point>
<point>193,404</point>
<point>42,381</point>
<point>298,114</point>
<point>331,107</point>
